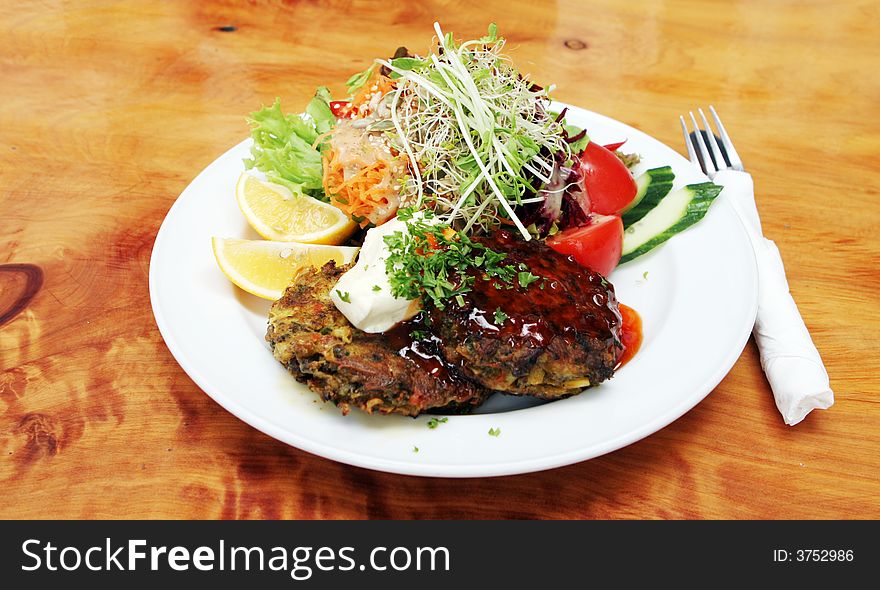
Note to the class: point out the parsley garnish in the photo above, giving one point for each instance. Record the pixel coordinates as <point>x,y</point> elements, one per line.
<point>415,449</point>
<point>500,316</point>
<point>645,275</point>
<point>494,431</point>
<point>526,279</point>
<point>418,335</point>
<point>377,288</point>
<point>434,262</point>
<point>435,422</point>
<point>344,296</point>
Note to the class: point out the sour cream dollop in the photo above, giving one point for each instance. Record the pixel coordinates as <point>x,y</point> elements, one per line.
<point>363,293</point>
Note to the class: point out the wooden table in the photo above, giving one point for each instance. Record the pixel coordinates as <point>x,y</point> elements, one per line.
<point>108,110</point>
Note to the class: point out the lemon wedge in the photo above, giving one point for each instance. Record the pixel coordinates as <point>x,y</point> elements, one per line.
<point>277,214</point>
<point>265,268</point>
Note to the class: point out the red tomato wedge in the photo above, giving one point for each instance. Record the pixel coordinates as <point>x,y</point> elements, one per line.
<point>609,184</point>
<point>596,245</point>
<point>614,146</point>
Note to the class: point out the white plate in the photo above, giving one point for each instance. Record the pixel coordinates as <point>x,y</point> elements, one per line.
<point>698,305</point>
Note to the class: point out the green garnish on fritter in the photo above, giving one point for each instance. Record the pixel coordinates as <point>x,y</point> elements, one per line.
<point>526,279</point>
<point>433,261</point>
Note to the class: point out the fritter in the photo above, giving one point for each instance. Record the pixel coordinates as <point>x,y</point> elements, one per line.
<point>553,332</point>
<point>386,373</point>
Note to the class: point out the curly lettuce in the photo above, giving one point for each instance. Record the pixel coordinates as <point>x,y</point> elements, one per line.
<point>287,147</point>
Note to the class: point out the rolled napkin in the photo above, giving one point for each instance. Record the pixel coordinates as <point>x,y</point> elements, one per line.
<point>789,358</point>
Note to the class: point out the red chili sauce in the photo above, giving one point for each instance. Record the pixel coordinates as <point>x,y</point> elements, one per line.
<point>630,334</point>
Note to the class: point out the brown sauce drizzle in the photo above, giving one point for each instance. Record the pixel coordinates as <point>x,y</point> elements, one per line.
<point>566,301</point>
<point>574,301</point>
<point>423,351</point>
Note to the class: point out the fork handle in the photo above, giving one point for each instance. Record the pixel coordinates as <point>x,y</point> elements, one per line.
<point>789,357</point>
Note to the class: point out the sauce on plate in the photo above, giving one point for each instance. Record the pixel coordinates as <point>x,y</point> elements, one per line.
<point>630,334</point>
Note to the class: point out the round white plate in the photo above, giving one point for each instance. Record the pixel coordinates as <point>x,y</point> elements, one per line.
<point>697,295</point>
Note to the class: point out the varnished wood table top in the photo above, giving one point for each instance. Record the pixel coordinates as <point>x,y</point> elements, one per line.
<point>108,110</point>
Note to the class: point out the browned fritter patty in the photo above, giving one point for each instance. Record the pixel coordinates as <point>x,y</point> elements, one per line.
<point>349,367</point>
<point>550,339</point>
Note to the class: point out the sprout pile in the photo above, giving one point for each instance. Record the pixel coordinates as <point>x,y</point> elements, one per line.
<point>478,135</point>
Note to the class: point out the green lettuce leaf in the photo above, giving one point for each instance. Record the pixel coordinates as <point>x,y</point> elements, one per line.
<point>283,143</point>
<point>579,145</point>
<point>319,111</point>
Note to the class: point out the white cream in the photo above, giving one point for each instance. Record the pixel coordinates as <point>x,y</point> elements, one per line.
<point>367,308</point>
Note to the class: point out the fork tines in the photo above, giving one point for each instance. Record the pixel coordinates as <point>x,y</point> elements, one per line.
<point>703,145</point>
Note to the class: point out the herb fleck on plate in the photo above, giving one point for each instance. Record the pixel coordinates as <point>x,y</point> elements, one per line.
<point>435,422</point>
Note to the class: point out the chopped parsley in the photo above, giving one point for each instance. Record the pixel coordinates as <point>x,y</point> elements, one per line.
<point>500,316</point>
<point>415,449</point>
<point>433,261</point>
<point>377,288</point>
<point>645,275</point>
<point>344,296</point>
<point>526,279</point>
<point>419,335</point>
<point>435,422</point>
<point>494,431</point>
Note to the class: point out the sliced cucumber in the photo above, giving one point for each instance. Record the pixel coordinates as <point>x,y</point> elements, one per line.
<point>652,185</point>
<point>676,212</point>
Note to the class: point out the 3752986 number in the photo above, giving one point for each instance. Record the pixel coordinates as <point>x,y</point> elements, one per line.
<point>824,555</point>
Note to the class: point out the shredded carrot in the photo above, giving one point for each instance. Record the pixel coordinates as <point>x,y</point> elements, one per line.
<point>359,106</point>
<point>376,83</point>
<point>367,196</point>
<point>362,185</point>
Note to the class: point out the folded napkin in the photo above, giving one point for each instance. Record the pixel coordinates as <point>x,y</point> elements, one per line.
<point>788,356</point>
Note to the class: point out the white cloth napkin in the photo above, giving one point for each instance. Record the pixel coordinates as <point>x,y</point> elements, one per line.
<point>788,356</point>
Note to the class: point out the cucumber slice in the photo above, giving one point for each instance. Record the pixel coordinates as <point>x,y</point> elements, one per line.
<point>675,213</point>
<point>653,185</point>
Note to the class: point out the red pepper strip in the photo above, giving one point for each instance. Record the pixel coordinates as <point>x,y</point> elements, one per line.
<point>337,106</point>
<point>613,146</point>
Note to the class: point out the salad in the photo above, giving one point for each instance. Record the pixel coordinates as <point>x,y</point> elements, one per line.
<point>462,133</point>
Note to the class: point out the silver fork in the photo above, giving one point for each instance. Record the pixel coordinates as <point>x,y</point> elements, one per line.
<point>719,158</point>
<point>712,158</point>
<point>788,356</point>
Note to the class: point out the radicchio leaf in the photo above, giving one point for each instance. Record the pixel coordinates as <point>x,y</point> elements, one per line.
<point>566,203</point>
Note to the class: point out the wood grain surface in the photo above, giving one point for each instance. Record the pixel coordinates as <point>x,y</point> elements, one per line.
<point>109,109</point>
